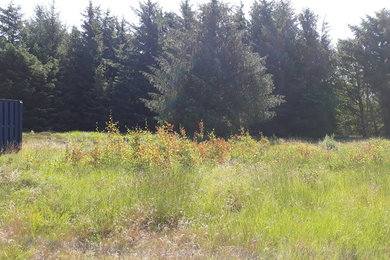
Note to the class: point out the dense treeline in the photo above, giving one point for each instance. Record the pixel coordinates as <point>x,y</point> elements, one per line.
<point>275,72</point>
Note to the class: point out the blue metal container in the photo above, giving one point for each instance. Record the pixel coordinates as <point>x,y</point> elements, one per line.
<point>11,125</point>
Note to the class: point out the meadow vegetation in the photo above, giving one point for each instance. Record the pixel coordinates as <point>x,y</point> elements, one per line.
<point>166,194</point>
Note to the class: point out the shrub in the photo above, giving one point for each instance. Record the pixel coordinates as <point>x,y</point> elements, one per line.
<point>329,143</point>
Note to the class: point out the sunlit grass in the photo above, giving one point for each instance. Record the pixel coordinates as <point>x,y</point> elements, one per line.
<point>167,195</point>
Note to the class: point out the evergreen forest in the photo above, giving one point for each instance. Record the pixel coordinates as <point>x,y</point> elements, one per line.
<point>273,70</point>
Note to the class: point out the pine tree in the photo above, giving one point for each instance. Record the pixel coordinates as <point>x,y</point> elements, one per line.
<point>212,76</point>
<point>23,77</point>
<point>373,37</point>
<point>300,60</point>
<point>11,24</point>
<point>83,84</point>
<point>70,93</point>
<point>273,34</point>
<point>45,39</point>
<point>110,30</point>
<point>314,112</point>
<point>136,56</point>
<point>126,105</point>
<point>147,35</point>
<point>187,15</point>
<point>241,24</point>
<point>358,112</point>
<point>94,105</point>
<point>45,34</point>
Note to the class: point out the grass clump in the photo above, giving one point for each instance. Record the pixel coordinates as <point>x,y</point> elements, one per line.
<point>165,194</point>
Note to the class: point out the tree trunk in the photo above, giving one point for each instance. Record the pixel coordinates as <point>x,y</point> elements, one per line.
<point>362,117</point>
<point>386,117</point>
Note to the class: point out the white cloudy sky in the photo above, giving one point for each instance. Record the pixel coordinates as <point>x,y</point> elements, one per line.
<point>338,13</point>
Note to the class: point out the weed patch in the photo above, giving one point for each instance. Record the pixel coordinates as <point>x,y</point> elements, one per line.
<point>166,194</point>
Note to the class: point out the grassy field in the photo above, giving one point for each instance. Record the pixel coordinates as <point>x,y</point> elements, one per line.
<point>144,195</point>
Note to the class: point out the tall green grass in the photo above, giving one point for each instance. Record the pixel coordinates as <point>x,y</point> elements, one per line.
<point>167,195</point>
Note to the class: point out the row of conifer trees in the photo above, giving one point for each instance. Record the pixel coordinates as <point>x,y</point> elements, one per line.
<point>274,71</point>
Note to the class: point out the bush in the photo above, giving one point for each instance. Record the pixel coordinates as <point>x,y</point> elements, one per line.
<point>329,143</point>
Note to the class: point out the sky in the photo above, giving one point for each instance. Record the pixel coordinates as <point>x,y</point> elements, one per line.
<point>337,13</point>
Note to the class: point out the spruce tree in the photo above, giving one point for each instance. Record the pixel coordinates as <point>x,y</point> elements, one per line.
<point>45,39</point>
<point>273,33</point>
<point>301,62</point>
<point>70,92</point>
<point>83,84</point>
<point>23,77</point>
<point>126,106</point>
<point>137,55</point>
<point>11,24</point>
<point>187,15</point>
<point>46,34</point>
<point>147,34</point>
<point>314,109</point>
<point>211,75</point>
<point>358,109</point>
<point>373,37</point>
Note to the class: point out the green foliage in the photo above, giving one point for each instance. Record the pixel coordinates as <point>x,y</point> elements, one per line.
<point>23,76</point>
<point>372,51</point>
<point>175,195</point>
<point>300,61</point>
<point>202,65</point>
<point>46,34</point>
<point>136,54</point>
<point>358,109</point>
<point>209,74</point>
<point>329,143</point>
<point>83,87</point>
<point>11,24</point>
